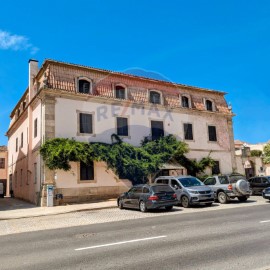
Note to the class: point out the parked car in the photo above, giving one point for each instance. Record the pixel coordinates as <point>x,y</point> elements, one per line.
<point>266,193</point>
<point>146,197</point>
<point>189,190</point>
<point>259,183</point>
<point>228,187</point>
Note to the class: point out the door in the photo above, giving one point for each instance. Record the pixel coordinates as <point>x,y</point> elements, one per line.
<point>176,187</point>
<point>256,183</point>
<point>264,183</point>
<point>211,181</point>
<point>135,196</point>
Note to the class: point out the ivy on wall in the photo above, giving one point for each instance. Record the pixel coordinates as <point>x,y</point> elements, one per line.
<point>126,160</point>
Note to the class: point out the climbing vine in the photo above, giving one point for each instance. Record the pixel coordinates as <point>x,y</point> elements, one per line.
<point>126,160</point>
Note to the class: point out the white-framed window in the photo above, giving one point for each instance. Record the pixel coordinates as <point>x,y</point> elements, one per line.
<point>85,123</point>
<point>122,126</point>
<point>86,171</point>
<point>155,97</point>
<point>185,101</point>
<point>209,104</point>
<point>212,133</point>
<point>84,85</point>
<point>120,91</point>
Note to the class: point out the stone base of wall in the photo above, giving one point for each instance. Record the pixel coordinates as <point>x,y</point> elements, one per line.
<point>79,195</point>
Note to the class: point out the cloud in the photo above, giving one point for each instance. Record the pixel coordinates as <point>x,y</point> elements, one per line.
<point>13,42</point>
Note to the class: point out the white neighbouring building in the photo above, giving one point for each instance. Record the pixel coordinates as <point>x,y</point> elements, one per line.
<point>88,104</point>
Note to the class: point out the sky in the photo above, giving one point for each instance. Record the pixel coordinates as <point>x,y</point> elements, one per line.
<point>222,45</point>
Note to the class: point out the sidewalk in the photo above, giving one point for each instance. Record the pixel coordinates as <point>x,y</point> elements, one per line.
<point>11,208</point>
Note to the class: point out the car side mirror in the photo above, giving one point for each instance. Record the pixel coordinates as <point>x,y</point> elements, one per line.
<point>176,187</point>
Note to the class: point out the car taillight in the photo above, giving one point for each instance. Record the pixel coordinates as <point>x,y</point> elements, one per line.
<point>230,187</point>
<point>153,198</point>
<point>174,196</point>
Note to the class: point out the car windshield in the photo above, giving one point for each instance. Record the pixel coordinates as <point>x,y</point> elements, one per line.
<point>190,182</point>
<point>162,188</point>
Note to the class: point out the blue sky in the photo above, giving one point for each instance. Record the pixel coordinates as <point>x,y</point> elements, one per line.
<point>222,45</point>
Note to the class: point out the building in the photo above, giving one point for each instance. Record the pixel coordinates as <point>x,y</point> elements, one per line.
<point>3,168</point>
<point>89,104</point>
<point>248,162</point>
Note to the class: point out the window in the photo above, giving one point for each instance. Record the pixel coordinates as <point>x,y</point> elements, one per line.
<point>122,126</point>
<point>163,181</point>
<point>35,128</point>
<point>35,173</point>
<point>209,105</point>
<point>84,86</point>
<point>210,181</point>
<point>175,183</point>
<point>16,144</point>
<point>86,123</point>
<point>185,102</point>
<point>157,129</point>
<point>86,171</point>
<point>188,132</point>
<point>212,133</point>
<point>120,92</point>
<point>2,163</point>
<point>22,140</point>
<point>223,180</point>
<point>155,97</point>
<point>146,190</point>
<point>215,168</point>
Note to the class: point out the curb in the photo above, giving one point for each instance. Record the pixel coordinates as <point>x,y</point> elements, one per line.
<point>61,213</point>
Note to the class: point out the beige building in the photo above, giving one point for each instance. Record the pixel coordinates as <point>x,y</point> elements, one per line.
<point>3,168</point>
<point>246,163</point>
<point>89,104</point>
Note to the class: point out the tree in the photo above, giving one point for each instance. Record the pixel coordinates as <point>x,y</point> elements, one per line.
<point>266,151</point>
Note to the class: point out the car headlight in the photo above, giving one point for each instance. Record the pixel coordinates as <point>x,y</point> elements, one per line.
<point>194,192</point>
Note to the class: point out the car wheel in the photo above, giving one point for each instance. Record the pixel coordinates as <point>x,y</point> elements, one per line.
<point>168,208</point>
<point>208,204</point>
<point>242,199</point>
<point>185,202</point>
<point>143,207</point>
<point>120,204</point>
<point>222,197</point>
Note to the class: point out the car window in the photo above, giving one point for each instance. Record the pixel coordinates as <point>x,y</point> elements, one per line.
<point>265,180</point>
<point>257,180</point>
<point>162,188</point>
<point>146,190</point>
<point>210,181</point>
<point>135,190</point>
<point>163,181</point>
<point>223,180</point>
<point>190,182</point>
<point>235,178</point>
<point>175,183</point>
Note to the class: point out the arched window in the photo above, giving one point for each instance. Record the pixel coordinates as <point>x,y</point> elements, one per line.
<point>120,92</point>
<point>209,105</point>
<point>185,102</point>
<point>155,97</point>
<point>84,86</point>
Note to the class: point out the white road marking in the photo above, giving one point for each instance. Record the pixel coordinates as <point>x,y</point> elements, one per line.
<point>121,243</point>
<point>264,221</point>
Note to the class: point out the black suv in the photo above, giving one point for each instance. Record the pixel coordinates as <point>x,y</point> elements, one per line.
<point>259,183</point>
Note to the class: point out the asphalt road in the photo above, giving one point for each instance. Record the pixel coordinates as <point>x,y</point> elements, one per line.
<point>225,239</point>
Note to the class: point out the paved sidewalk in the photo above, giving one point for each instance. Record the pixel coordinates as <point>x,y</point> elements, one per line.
<point>11,208</point>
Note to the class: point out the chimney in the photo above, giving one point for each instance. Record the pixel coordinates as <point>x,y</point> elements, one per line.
<point>33,70</point>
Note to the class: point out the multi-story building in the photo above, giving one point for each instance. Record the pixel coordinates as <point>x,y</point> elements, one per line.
<point>3,169</point>
<point>89,104</point>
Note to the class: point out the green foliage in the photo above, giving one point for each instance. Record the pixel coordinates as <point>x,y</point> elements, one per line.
<point>256,153</point>
<point>133,163</point>
<point>126,160</point>
<point>266,151</point>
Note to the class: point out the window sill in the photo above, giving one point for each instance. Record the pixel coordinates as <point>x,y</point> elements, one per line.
<point>86,134</point>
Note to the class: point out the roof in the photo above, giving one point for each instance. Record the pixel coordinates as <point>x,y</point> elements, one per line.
<point>3,148</point>
<point>48,61</point>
